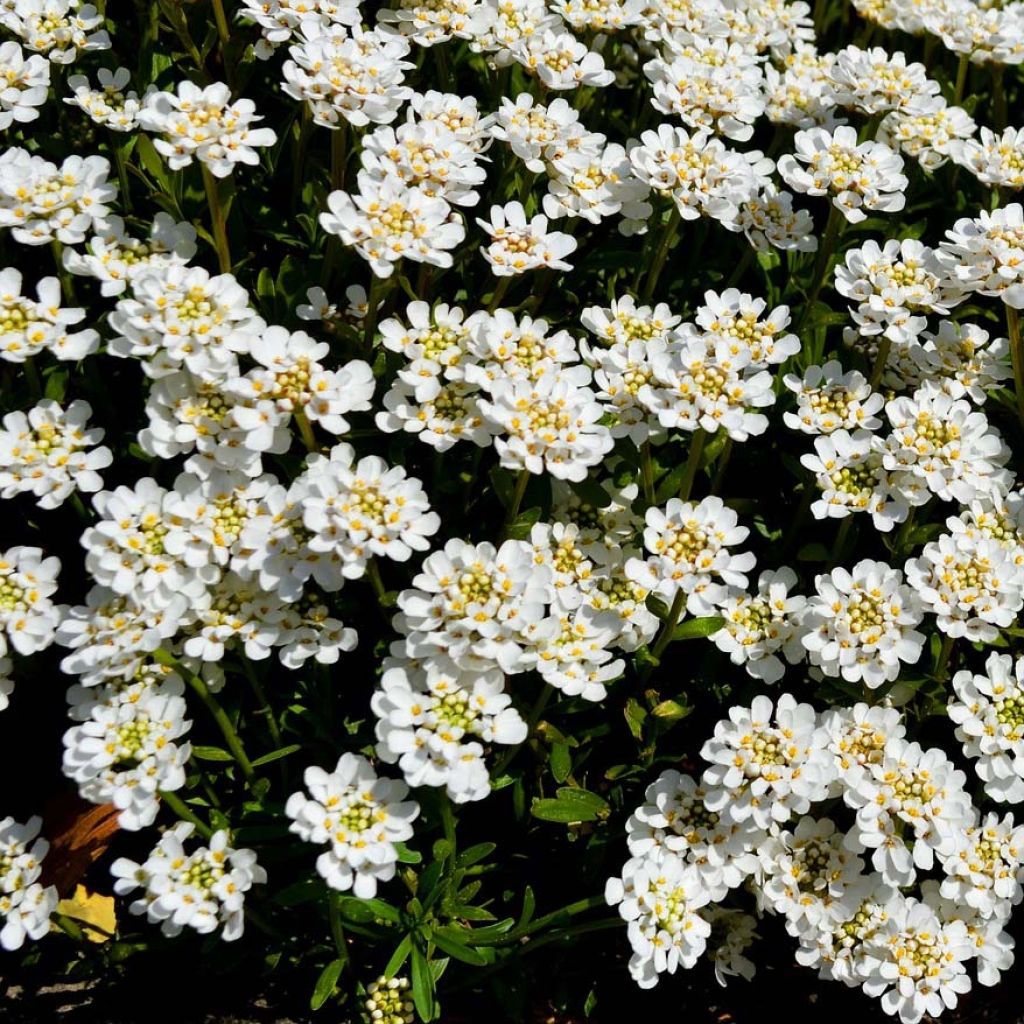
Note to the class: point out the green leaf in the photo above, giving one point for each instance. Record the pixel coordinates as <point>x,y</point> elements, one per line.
<point>326,984</point>
<point>520,529</point>
<point>561,762</point>
<point>571,805</point>
<point>459,951</point>
<point>407,856</point>
<point>671,710</point>
<point>691,629</point>
<point>299,892</point>
<point>361,911</point>
<point>400,955</point>
<point>422,985</point>
<point>211,754</point>
<point>635,717</point>
<point>475,854</point>
<point>276,755</point>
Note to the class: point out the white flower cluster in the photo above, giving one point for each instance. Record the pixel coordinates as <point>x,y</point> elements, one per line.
<point>360,817</point>
<point>751,823</point>
<point>25,904</point>
<point>127,748</point>
<point>204,889</point>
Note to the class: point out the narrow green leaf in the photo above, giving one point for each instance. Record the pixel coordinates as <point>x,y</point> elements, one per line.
<point>561,762</point>
<point>326,984</point>
<point>211,754</point>
<point>422,985</point>
<point>691,629</point>
<point>459,951</point>
<point>400,955</point>
<point>276,755</point>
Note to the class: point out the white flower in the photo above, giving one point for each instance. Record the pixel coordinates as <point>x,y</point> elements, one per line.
<point>624,322</point>
<point>474,604</point>
<point>896,285</point>
<point>26,84</point>
<point>360,816</point>
<point>192,416</point>
<point>502,347</point>
<point>202,124</point>
<point>928,131</point>
<point>60,29</point>
<point>660,900</point>
<point>987,249</point>
<point>28,618</point>
<point>986,871</point>
<point>849,470</point>
<point>204,889</point>
<point>712,85</point>
<point>357,75</point>
<point>25,905</point>
<point>427,155</point>
<point>310,631</point>
<point>914,794</point>
<point>802,93</point>
<point>708,382</point>
<point>807,873</point>
<point>111,104</point>
<point>433,718</point>
<point>737,315</point>
<point>125,752</point>
<point>387,220</point>
<point>51,453</point>
<point>997,160</point>
<point>759,627</point>
<point>40,202</point>
<point>572,650</point>
<point>185,317</point>
<point>291,380</point>
<point>947,444</point>
<point>6,683</point>
<point>767,761</point>
<point>689,552</point>
<point>595,186</point>
<point>732,934</point>
<point>547,426</point>
<point>620,371</point>
<point>859,177</point>
<point>960,357</point>
<point>674,821</point>
<point>860,624</point>
<point>28,327</point>
<point>429,22</point>
<point>857,738</point>
<point>873,81</point>
<point>110,636</point>
<point>917,962</point>
<point>768,220</point>
<point>602,15</point>
<point>988,709</point>
<point>542,134</point>
<point>828,400</point>
<point>439,414</point>
<point>365,508</point>
<point>281,20</point>
<point>518,245</point>
<point>126,549</point>
<point>561,61</point>
<point>116,258</point>
<point>701,176</point>
<point>460,115</point>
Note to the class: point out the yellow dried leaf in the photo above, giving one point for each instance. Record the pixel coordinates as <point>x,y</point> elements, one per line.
<point>93,911</point>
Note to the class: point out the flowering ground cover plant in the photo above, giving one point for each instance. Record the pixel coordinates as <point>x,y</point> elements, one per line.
<point>492,477</point>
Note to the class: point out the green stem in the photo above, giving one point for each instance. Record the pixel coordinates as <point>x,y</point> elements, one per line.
<point>647,472</point>
<point>821,265</point>
<point>1016,356</point>
<point>499,293</point>
<point>692,463</point>
<point>668,236</point>
<point>176,17</point>
<point>306,431</point>
<point>35,385</point>
<point>942,662</point>
<point>998,98</point>
<point>339,155</point>
<point>220,716</point>
<point>870,129</point>
<point>881,360</point>
<point>539,923</point>
<point>372,310</point>
<point>223,29</point>
<point>337,931</point>
<point>183,811</point>
<point>532,718</point>
<point>961,78</point>
<point>122,176</point>
<point>75,501</point>
<point>264,710</point>
<point>299,157</point>
<point>373,575</point>
<point>842,539</point>
<point>517,499</point>
<point>723,465</point>
<point>220,229</point>
<point>667,629</point>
